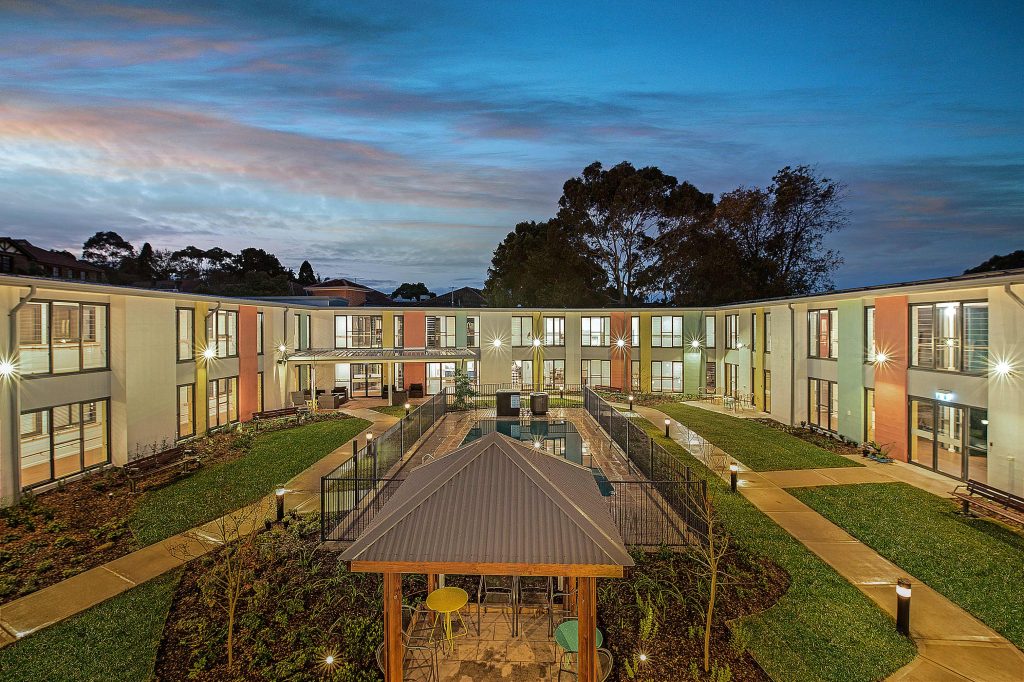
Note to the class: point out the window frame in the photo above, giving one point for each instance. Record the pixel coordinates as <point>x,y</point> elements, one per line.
<point>814,338</point>
<point>524,322</point>
<point>375,334</point>
<point>870,346</point>
<point>603,335</point>
<point>177,410</point>
<point>833,398</point>
<point>671,377</point>
<point>48,342</point>
<point>191,314</point>
<point>961,330</point>
<point>214,395</point>
<point>732,331</point>
<point>767,333</point>
<point>554,331</point>
<point>81,423</point>
<point>213,335</point>
<point>658,339</point>
<point>259,332</point>
<point>473,322</point>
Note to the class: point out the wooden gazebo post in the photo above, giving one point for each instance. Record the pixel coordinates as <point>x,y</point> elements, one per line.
<point>394,648</point>
<point>587,624</point>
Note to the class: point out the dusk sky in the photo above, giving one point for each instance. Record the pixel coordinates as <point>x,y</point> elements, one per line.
<point>401,142</point>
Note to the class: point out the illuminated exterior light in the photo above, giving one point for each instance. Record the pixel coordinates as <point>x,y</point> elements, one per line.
<point>621,343</point>
<point>209,353</point>
<point>497,343</point>
<point>881,358</point>
<point>7,369</point>
<point>536,343</point>
<point>695,344</point>
<point>1003,368</point>
<point>643,658</point>
<point>329,661</point>
<point>282,348</point>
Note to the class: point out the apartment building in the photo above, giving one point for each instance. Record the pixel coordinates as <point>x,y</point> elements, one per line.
<point>93,375</point>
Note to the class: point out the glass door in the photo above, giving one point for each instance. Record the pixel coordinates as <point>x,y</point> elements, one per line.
<point>367,379</point>
<point>949,442</point>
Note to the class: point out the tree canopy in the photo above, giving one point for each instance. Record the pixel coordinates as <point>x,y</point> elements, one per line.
<point>408,291</point>
<point>107,250</point>
<point>1010,261</point>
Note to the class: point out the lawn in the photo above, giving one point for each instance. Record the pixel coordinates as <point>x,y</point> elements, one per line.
<point>823,628</point>
<point>397,411</point>
<point>759,447</point>
<point>272,459</point>
<point>114,641</point>
<point>977,564</point>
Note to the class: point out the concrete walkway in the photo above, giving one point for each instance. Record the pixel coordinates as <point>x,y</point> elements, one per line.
<point>69,597</point>
<point>952,644</point>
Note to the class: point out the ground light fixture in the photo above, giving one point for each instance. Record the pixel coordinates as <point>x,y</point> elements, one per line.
<point>329,661</point>
<point>903,607</point>
<point>407,406</point>
<point>668,423</point>
<point>733,470</point>
<point>279,500</point>
<point>630,403</point>
<point>642,658</point>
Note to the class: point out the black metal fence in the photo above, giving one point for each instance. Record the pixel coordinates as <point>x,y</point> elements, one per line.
<point>639,511</point>
<point>352,494</point>
<point>675,482</point>
<point>559,395</point>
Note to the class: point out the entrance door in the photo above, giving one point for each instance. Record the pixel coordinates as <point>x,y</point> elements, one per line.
<point>367,379</point>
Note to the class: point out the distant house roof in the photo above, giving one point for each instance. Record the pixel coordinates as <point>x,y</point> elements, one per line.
<point>497,507</point>
<point>466,297</point>
<point>48,256</point>
<point>355,293</point>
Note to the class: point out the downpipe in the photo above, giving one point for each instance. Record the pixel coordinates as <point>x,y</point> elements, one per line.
<point>14,444</point>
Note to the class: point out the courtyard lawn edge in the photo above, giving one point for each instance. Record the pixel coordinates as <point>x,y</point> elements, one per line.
<point>759,447</point>
<point>823,628</point>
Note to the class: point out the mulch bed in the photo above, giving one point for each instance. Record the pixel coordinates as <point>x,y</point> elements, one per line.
<point>822,441</point>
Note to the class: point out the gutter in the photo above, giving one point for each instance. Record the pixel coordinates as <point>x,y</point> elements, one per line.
<point>1008,288</point>
<point>14,444</point>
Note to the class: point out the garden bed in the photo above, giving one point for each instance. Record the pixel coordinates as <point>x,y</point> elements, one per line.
<point>54,535</point>
<point>813,437</point>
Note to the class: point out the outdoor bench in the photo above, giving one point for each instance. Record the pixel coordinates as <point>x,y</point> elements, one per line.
<point>993,500</point>
<point>181,458</point>
<point>293,411</point>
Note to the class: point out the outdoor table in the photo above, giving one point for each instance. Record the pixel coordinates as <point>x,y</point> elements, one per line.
<point>567,636</point>
<point>448,600</point>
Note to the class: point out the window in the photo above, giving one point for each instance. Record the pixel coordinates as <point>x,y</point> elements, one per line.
<point>522,331</point>
<point>222,402</point>
<point>870,350</point>
<point>399,376</point>
<point>259,333</point>
<point>753,332</point>
<point>767,391</point>
<point>823,404</point>
<point>186,334</point>
<point>634,331</point>
<point>471,372</point>
<point>440,376</point>
<point>950,439</point>
<point>950,336</point>
<point>596,331</point>
<point>823,334</point>
<point>666,377</point>
<point>260,404</point>
<point>473,331</point>
<point>359,331</point>
<point>596,372</point>
<point>711,377</point>
<point>732,332</point>
<point>440,331</point>
<point>301,331</point>
<point>667,331</point>
<point>634,375</point>
<point>732,375</point>
<point>554,374</point>
<point>869,415</point>
<point>63,441</point>
<point>222,333</point>
<point>709,331</point>
<point>767,334</point>
<point>186,411</point>
<point>61,337</point>
<point>399,331</point>
<point>554,331</point>
<point>6,264</point>
<point>522,373</point>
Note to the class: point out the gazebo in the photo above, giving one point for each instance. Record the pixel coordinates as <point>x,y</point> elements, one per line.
<point>493,507</point>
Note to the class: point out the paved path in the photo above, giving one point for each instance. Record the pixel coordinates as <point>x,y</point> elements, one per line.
<point>69,597</point>
<point>951,644</point>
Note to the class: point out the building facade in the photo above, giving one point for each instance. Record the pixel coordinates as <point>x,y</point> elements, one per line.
<point>94,375</point>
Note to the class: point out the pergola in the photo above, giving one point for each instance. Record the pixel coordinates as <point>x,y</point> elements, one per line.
<point>493,507</point>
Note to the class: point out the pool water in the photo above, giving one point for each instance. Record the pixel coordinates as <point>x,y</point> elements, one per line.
<point>556,437</point>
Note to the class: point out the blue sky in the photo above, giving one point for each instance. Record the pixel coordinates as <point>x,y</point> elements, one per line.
<point>392,142</point>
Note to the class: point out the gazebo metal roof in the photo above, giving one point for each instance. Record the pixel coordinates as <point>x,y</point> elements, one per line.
<point>494,507</point>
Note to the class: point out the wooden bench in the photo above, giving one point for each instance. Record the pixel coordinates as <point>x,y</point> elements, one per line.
<point>176,458</point>
<point>258,417</point>
<point>993,500</point>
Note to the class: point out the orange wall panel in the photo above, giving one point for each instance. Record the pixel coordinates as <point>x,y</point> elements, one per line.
<point>415,373</point>
<point>415,330</point>
<point>619,356</point>
<point>891,329</point>
<point>248,367</point>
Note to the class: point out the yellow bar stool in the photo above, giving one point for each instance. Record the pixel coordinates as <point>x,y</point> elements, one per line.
<point>446,601</point>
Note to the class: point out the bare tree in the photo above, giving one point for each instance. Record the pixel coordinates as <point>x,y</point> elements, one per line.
<point>711,548</point>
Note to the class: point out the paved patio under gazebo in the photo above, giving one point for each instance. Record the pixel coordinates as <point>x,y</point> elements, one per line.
<point>493,507</point>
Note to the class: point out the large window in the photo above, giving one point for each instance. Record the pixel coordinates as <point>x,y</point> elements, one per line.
<point>596,331</point>
<point>949,336</point>
<point>634,331</point>
<point>823,334</point>
<point>767,390</point>
<point>596,372</point>
<point>399,331</point>
<point>823,404</point>
<point>62,441</point>
<point>260,396</point>
<point>666,377</point>
<point>667,331</point>
<point>869,415</point>
<point>732,379</point>
<point>767,333</point>
<point>440,376</point>
<point>522,331</point>
<point>185,321</point>
<point>634,375</point>
<point>870,348</point>
<point>440,331</point>
<point>732,331</point>
<point>186,411</point>
<point>222,402</point>
<point>709,331</point>
<point>259,333</point>
<point>753,332</point>
<point>711,377</point>
<point>301,331</point>
<point>554,374</point>
<point>358,331</point>
<point>522,373</point>
<point>554,331</point>
<point>473,331</point>
<point>222,333</point>
<point>59,337</point>
<point>951,439</point>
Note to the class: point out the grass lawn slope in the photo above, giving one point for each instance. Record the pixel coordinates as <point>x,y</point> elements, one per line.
<point>759,447</point>
<point>976,564</point>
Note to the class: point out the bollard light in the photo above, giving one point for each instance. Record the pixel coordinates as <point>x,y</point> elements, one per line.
<point>668,422</point>
<point>407,410</point>
<point>733,469</point>
<point>279,498</point>
<point>630,403</point>
<point>903,607</point>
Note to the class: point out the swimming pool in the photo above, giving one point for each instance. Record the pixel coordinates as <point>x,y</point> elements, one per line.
<point>556,437</point>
